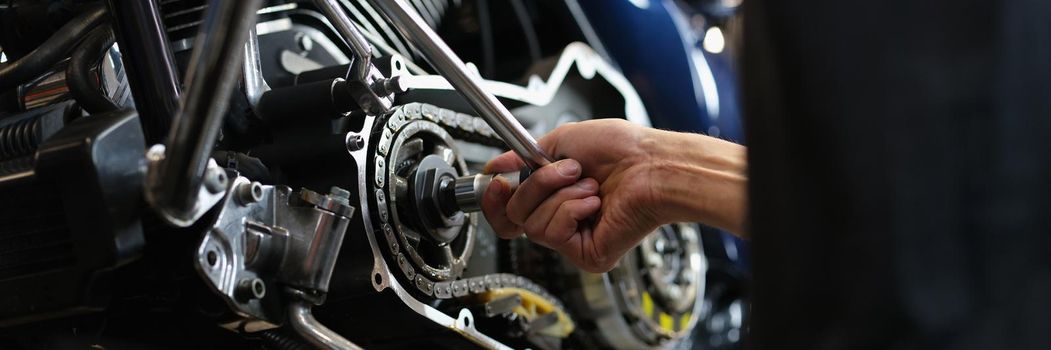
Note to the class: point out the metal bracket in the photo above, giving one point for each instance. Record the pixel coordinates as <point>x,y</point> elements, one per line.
<point>265,236</point>
<point>364,80</point>
<point>214,187</point>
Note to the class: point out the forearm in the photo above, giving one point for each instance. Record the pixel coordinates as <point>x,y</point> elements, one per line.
<point>699,178</point>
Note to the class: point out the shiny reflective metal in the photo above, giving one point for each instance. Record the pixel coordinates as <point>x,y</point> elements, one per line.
<point>209,190</point>
<point>543,86</point>
<point>469,190</point>
<point>174,181</point>
<point>364,80</point>
<point>152,74</point>
<point>266,236</point>
<point>540,91</point>
<point>577,58</point>
<point>630,304</point>
<point>255,84</point>
<point>349,32</point>
<point>304,323</point>
<point>400,176</point>
<point>443,59</point>
<point>383,273</point>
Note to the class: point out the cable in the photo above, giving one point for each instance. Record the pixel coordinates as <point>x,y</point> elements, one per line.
<point>51,51</point>
<point>532,40</point>
<point>83,85</point>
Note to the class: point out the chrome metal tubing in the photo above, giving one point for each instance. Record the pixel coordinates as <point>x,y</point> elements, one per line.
<point>148,59</point>
<point>434,49</point>
<point>306,325</point>
<point>210,78</point>
<point>345,28</point>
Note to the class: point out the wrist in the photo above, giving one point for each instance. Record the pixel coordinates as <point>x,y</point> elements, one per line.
<point>696,178</point>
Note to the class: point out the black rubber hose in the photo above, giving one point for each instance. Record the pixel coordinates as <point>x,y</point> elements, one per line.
<point>83,85</point>
<point>51,51</point>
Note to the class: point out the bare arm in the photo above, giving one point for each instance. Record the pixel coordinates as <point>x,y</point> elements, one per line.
<point>619,181</point>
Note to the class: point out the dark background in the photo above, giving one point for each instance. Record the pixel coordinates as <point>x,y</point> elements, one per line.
<point>900,163</point>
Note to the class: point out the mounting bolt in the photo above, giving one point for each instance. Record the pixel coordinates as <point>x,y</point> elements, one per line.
<point>248,193</point>
<point>215,180</point>
<point>250,288</point>
<point>390,86</point>
<point>355,142</point>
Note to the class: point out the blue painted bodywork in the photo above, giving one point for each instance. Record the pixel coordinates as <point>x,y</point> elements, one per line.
<point>684,87</point>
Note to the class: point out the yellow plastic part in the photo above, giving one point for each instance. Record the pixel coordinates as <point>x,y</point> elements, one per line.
<point>647,304</point>
<point>685,320</point>
<point>533,306</point>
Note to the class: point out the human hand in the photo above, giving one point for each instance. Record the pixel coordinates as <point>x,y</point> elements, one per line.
<point>559,205</point>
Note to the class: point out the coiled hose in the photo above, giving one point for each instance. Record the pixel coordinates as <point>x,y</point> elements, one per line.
<point>83,85</point>
<point>51,51</point>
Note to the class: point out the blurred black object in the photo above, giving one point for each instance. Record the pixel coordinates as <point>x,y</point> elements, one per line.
<point>900,163</point>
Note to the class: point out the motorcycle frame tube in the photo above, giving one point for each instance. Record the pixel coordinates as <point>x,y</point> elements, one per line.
<point>445,61</point>
<point>150,65</point>
<point>211,78</point>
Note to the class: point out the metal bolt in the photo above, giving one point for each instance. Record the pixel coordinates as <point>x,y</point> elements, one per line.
<point>215,180</point>
<point>248,193</point>
<point>339,193</point>
<point>250,288</point>
<point>390,86</point>
<point>355,142</point>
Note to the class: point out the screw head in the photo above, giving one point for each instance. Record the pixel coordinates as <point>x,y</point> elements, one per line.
<point>355,142</point>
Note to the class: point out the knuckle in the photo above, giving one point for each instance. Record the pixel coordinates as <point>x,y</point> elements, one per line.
<point>535,228</point>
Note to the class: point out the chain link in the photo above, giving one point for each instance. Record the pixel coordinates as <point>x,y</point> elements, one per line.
<point>467,128</point>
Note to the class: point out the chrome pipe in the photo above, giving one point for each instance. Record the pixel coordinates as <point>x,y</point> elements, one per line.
<point>303,321</point>
<point>350,34</point>
<point>211,76</point>
<point>434,49</point>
